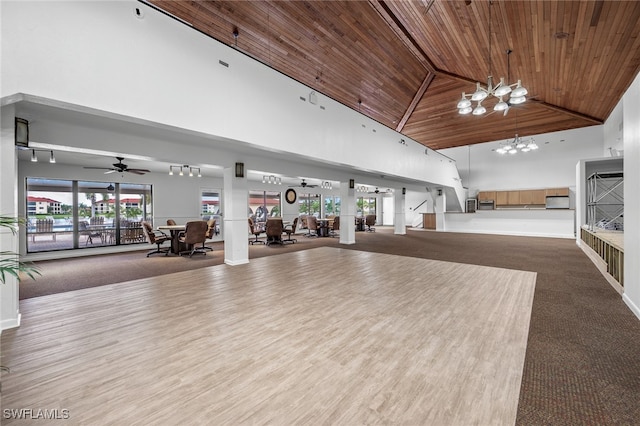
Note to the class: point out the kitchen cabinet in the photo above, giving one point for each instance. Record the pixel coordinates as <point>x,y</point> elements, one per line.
<point>513,198</point>
<point>501,198</point>
<point>533,197</point>
<point>487,196</point>
<point>557,192</point>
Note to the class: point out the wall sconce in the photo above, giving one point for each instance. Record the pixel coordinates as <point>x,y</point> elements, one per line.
<point>439,192</point>
<point>34,157</point>
<point>272,180</point>
<point>239,170</point>
<point>22,132</point>
<point>404,191</point>
<point>352,183</point>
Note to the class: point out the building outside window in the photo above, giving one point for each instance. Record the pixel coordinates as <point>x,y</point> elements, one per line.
<point>68,214</point>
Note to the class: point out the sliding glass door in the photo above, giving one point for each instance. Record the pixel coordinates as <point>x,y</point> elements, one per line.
<point>68,214</point>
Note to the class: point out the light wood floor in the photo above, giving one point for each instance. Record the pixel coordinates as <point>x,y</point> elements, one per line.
<point>322,336</point>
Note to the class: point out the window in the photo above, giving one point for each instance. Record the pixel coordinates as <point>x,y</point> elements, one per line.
<point>309,204</point>
<point>64,214</point>
<point>332,206</point>
<point>264,204</point>
<point>365,206</point>
<point>210,209</point>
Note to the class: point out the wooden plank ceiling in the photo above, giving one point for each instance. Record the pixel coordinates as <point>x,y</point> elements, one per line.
<point>406,63</point>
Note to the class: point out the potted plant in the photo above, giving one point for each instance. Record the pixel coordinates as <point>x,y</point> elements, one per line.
<point>10,264</point>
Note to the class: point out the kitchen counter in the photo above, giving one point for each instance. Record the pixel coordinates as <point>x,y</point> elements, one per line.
<point>539,222</point>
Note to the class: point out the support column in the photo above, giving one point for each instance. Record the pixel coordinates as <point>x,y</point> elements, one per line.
<point>236,226</point>
<point>9,293</point>
<point>440,207</point>
<point>347,214</point>
<point>400,220</point>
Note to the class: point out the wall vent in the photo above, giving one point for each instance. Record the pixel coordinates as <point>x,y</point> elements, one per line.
<point>223,63</point>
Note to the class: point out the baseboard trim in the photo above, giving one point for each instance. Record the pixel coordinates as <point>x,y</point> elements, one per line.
<point>11,323</point>
<point>634,308</point>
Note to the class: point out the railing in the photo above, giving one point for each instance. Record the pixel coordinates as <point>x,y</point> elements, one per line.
<point>612,254</point>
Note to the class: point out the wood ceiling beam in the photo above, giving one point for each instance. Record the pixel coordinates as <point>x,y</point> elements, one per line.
<point>403,34</point>
<point>416,99</point>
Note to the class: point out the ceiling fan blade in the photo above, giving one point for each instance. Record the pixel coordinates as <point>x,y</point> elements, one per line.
<point>110,171</point>
<point>98,168</point>
<point>136,171</point>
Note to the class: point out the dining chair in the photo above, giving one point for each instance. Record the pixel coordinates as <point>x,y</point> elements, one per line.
<point>211,227</point>
<point>335,227</point>
<point>312,225</point>
<point>194,234</point>
<point>171,222</point>
<point>370,220</point>
<point>155,237</point>
<point>274,231</point>
<point>255,230</point>
<point>290,229</point>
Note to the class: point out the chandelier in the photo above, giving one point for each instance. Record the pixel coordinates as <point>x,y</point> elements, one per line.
<point>500,91</point>
<point>517,144</point>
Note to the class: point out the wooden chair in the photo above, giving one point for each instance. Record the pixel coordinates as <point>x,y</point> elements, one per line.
<point>255,230</point>
<point>155,237</point>
<point>171,222</point>
<point>195,233</point>
<point>274,231</point>
<point>290,229</point>
<point>370,220</point>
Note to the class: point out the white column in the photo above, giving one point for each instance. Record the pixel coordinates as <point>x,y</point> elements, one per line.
<point>440,207</point>
<point>347,214</point>
<point>9,295</point>
<point>399,224</point>
<point>631,136</point>
<point>236,225</point>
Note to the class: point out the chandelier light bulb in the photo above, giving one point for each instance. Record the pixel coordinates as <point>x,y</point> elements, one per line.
<point>501,106</point>
<point>479,110</point>
<point>519,91</point>
<point>479,94</point>
<point>465,111</point>
<point>464,102</point>
<point>502,89</point>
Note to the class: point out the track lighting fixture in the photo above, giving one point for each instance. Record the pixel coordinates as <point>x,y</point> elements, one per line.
<point>34,156</point>
<point>192,170</point>
<point>271,179</point>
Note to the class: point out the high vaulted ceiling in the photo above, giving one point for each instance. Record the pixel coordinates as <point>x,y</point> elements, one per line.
<point>406,63</point>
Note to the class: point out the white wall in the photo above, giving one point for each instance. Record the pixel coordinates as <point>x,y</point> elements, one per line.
<point>99,55</point>
<point>553,165</point>
<point>631,102</point>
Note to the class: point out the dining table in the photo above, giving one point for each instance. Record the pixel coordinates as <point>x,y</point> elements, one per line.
<point>175,232</point>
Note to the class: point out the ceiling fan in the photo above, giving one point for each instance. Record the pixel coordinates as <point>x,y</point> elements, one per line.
<point>375,191</point>
<point>120,167</point>
<point>303,184</point>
